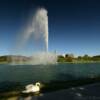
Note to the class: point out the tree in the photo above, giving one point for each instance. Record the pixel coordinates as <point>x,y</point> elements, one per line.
<point>61,58</point>
<point>86,57</point>
<point>69,57</point>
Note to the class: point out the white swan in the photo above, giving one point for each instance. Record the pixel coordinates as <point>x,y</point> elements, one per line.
<point>32,88</point>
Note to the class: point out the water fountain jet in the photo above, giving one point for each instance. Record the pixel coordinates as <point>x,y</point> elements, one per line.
<point>39,29</point>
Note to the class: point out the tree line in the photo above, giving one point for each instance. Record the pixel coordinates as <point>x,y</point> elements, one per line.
<point>60,58</point>
<point>85,58</point>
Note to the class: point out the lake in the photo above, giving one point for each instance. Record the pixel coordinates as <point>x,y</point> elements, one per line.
<point>46,73</point>
<point>12,76</point>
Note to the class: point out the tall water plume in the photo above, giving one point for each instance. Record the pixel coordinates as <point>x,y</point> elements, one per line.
<point>39,26</point>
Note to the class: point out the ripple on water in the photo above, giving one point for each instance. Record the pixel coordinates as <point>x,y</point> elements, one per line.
<point>79,94</point>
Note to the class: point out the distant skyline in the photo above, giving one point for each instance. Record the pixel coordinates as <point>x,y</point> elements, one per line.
<point>74,25</point>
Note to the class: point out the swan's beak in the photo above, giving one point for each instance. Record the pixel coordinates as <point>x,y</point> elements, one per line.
<point>42,85</point>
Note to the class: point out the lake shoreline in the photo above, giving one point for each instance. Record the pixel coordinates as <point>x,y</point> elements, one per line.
<point>78,62</point>
<point>59,62</point>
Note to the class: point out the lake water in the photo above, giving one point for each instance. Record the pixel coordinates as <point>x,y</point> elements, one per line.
<point>46,73</point>
<point>26,74</point>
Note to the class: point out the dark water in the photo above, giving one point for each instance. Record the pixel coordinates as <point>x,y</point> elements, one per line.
<point>12,76</point>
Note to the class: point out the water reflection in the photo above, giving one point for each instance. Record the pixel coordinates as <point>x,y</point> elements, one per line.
<point>12,98</point>
<point>28,98</point>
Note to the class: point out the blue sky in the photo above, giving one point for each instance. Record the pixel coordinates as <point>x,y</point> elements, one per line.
<point>74,25</point>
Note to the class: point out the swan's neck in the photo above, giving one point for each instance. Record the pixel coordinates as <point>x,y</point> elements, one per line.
<point>37,84</point>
